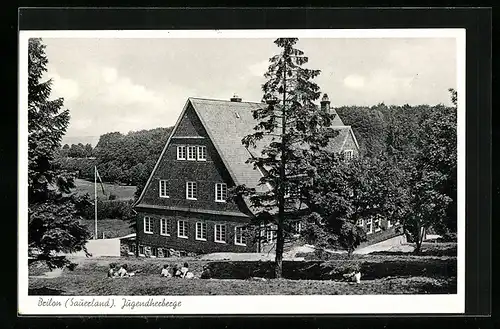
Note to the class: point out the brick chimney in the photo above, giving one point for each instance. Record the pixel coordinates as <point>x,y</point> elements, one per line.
<point>325,103</point>
<point>235,98</point>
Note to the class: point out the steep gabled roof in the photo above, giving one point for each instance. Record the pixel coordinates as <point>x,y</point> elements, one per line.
<point>337,143</point>
<point>227,123</point>
<point>337,121</point>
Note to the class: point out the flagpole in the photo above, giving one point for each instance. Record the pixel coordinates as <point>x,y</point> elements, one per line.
<point>95,201</point>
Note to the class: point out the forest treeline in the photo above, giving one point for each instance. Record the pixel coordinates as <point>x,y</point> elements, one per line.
<point>129,158</point>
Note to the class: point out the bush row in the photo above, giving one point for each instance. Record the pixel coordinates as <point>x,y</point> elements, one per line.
<point>334,270</point>
<point>113,209</point>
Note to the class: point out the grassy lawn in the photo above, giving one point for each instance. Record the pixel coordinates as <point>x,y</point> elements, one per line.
<point>112,228</point>
<point>89,278</point>
<point>99,285</point>
<point>121,192</point>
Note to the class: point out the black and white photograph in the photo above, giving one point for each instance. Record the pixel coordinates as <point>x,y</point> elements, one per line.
<point>238,171</point>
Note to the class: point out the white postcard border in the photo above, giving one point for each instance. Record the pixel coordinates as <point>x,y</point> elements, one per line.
<point>342,304</point>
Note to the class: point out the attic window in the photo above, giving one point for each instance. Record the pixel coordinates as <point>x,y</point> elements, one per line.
<point>348,154</point>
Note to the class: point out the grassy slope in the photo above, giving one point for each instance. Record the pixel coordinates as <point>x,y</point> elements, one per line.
<point>89,278</point>
<point>154,285</point>
<point>121,192</point>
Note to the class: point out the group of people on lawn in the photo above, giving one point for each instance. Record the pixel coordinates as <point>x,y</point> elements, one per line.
<point>176,272</point>
<point>119,272</point>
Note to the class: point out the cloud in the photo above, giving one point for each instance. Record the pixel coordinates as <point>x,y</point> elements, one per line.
<point>63,87</point>
<point>114,101</point>
<point>109,74</point>
<point>80,124</point>
<point>258,69</point>
<point>354,81</point>
<point>123,91</point>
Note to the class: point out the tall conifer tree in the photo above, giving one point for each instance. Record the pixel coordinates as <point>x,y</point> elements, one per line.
<point>289,126</point>
<point>54,225</point>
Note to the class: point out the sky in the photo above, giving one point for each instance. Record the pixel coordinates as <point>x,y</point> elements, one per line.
<point>133,84</point>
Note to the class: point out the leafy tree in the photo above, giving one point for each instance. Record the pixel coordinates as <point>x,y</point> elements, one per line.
<point>433,177</point>
<point>344,192</point>
<point>77,151</point>
<point>289,127</point>
<point>53,211</point>
<point>88,150</point>
<point>369,126</point>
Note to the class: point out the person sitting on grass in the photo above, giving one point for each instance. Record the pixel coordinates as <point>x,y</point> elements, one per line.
<point>176,273</point>
<point>112,271</point>
<point>165,272</point>
<point>354,276</point>
<point>185,272</point>
<point>206,273</point>
<point>122,272</point>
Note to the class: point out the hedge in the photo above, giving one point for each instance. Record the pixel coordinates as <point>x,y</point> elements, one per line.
<point>334,270</point>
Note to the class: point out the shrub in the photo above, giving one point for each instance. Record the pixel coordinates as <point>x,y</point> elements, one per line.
<point>335,269</point>
<point>448,237</point>
<point>116,209</point>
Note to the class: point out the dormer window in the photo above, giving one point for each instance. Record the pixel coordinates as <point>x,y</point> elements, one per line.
<point>181,152</point>
<point>202,153</point>
<point>348,154</point>
<point>191,153</point>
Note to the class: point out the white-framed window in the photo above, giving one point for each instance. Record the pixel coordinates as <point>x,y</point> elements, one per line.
<point>292,191</point>
<point>148,225</point>
<point>348,154</point>
<point>182,231</point>
<point>270,233</point>
<point>202,153</point>
<point>141,250</point>
<point>164,226</point>
<point>201,231</point>
<point>389,224</point>
<point>163,188</point>
<point>131,249</point>
<point>220,192</point>
<point>191,191</point>
<point>154,252</point>
<point>376,224</point>
<point>191,153</point>
<point>239,236</point>
<point>181,152</point>
<point>359,222</point>
<point>369,226</point>
<point>220,233</point>
<point>296,227</point>
<point>166,252</point>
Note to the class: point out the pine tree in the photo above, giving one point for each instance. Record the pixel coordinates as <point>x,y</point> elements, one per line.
<point>289,126</point>
<point>53,210</point>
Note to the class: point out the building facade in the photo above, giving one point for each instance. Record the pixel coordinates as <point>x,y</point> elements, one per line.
<point>183,207</point>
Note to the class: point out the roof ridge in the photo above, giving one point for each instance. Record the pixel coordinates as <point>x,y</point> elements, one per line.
<point>224,100</point>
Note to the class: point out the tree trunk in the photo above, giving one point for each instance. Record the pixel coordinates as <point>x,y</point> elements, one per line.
<point>350,251</point>
<point>281,189</point>
<point>136,238</point>
<point>279,251</point>
<point>419,239</point>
